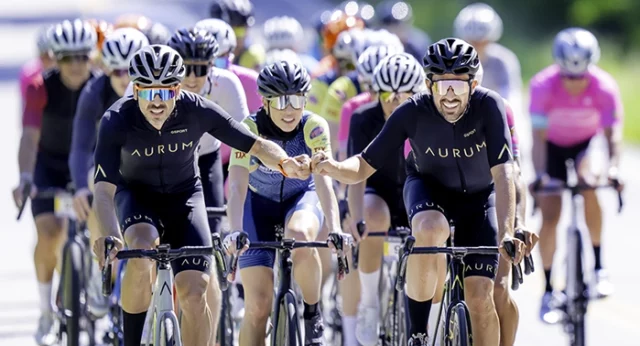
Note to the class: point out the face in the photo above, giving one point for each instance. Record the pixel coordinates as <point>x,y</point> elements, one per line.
<point>119,80</point>
<point>156,104</point>
<point>451,94</point>
<point>390,101</point>
<point>75,68</point>
<point>286,111</point>
<point>575,84</point>
<point>196,75</point>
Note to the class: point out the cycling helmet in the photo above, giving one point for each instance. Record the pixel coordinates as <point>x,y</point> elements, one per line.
<point>349,44</point>
<point>120,46</point>
<point>283,32</point>
<point>156,65</point>
<point>338,23</point>
<point>384,37</point>
<point>574,50</point>
<point>72,36</point>
<point>103,29</point>
<point>135,21</point>
<point>321,20</point>
<point>394,12</point>
<point>479,75</point>
<point>276,55</point>
<point>451,55</point>
<point>234,12</point>
<point>370,58</point>
<point>194,44</point>
<point>222,32</point>
<point>158,33</point>
<point>283,78</point>
<point>398,73</point>
<point>478,22</point>
<point>42,40</point>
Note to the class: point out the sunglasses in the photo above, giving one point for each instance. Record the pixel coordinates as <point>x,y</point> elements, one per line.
<point>573,77</point>
<point>200,70</point>
<point>281,102</point>
<point>222,63</point>
<point>65,59</point>
<point>149,94</point>
<point>120,72</point>
<point>459,87</point>
<point>390,96</point>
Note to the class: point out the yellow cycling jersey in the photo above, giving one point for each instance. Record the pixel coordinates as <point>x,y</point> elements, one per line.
<point>341,90</point>
<point>253,57</point>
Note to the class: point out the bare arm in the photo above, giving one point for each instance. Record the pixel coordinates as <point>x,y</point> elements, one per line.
<point>539,151</point>
<point>238,185</point>
<point>28,150</point>
<point>328,201</point>
<point>356,201</point>
<point>521,196</point>
<point>269,153</point>
<point>352,170</point>
<point>104,208</point>
<point>503,177</point>
<point>614,140</point>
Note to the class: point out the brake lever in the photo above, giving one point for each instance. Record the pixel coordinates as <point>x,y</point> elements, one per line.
<point>528,260</point>
<point>106,270</point>
<point>221,262</point>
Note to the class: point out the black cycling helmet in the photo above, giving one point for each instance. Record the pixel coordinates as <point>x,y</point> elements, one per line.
<point>394,12</point>
<point>451,55</point>
<point>234,12</point>
<point>283,78</point>
<point>194,44</point>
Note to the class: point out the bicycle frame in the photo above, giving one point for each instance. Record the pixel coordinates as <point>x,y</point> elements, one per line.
<point>285,285</point>
<point>161,306</point>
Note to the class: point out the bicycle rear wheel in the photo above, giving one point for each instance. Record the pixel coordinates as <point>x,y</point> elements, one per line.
<point>286,329</point>
<point>71,286</point>
<point>577,295</point>
<point>458,326</point>
<point>226,324</point>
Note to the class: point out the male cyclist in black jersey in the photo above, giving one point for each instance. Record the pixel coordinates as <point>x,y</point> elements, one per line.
<point>397,17</point>
<point>50,105</point>
<point>147,182</point>
<point>460,148</point>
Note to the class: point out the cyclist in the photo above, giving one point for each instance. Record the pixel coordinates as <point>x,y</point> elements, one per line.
<point>33,68</point>
<point>146,151</point>
<point>50,105</point>
<point>258,193</point>
<point>239,14</point>
<point>461,147</point>
<point>377,202</point>
<point>103,28</point>
<point>480,25</point>
<point>158,33</point>
<point>397,17</point>
<point>571,101</point>
<point>277,55</point>
<point>287,33</point>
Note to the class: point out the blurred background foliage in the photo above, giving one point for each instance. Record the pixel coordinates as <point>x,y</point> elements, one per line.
<point>529,28</point>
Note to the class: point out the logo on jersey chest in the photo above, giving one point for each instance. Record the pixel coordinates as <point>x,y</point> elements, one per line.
<point>163,149</point>
<point>466,152</point>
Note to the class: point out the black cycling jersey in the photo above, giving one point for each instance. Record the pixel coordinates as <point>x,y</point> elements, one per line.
<point>366,123</point>
<point>458,156</point>
<point>96,97</point>
<point>133,153</point>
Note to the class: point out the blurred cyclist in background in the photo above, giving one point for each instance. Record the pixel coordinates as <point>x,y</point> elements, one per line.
<point>397,17</point>
<point>277,55</point>
<point>320,20</point>
<point>103,28</point>
<point>481,26</point>
<point>239,14</point>
<point>33,68</point>
<point>572,101</point>
<point>287,33</point>
<point>359,9</point>
<point>157,33</point>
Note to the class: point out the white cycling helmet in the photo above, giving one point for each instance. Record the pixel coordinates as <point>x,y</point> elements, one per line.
<point>370,58</point>
<point>223,33</point>
<point>399,73</point>
<point>120,46</point>
<point>478,22</point>
<point>283,33</point>
<point>277,55</point>
<point>42,40</point>
<point>72,36</point>
<point>574,50</point>
<point>479,75</point>
<point>385,37</point>
<point>158,33</point>
<point>348,44</point>
<point>156,65</point>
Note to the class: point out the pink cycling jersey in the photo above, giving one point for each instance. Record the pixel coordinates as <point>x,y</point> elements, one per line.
<point>28,72</point>
<point>512,127</point>
<point>573,119</point>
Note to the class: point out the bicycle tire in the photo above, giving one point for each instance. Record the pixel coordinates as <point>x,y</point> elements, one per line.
<point>71,285</point>
<point>579,296</point>
<point>169,333</point>
<point>458,326</point>
<point>285,331</point>
<point>226,323</point>
<point>334,322</point>
<point>399,320</point>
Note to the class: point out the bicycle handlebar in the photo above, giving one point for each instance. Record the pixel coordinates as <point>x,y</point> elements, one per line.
<point>217,211</point>
<point>576,189</point>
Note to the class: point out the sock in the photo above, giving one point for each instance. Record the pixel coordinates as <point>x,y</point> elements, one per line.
<point>369,288</point>
<point>349,330</point>
<point>596,254</point>
<point>433,318</point>
<point>418,316</point>
<point>547,278</point>
<point>45,297</point>
<point>133,326</point>
<point>310,310</point>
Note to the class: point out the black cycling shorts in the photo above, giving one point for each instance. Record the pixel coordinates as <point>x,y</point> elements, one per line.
<point>474,217</point>
<point>558,156</point>
<point>212,185</point>
<point>50,172</point>
<point>180,218</point>
<point>393,199</point>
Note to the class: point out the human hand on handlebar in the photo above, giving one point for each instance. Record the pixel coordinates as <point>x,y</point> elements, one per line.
<point>232,241</point>
<point>514,246</point>
<point>99,247</point>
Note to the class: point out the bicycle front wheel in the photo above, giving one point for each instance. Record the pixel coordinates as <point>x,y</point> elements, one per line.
<point>458,326</point>
<point>399,320</point>
<point>286,327</point>
<point>71,286</point>
<point>225,327</point>
<point>577,295</point>
<point>169,335</point>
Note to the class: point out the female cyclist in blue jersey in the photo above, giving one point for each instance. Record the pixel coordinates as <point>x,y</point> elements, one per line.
<point>261,200</point>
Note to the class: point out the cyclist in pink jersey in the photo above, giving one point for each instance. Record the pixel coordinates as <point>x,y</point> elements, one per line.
<point>34,67</point>
<point>571,102</point>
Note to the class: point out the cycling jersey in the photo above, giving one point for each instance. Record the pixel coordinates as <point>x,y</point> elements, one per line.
<point>96,97</point>
<point>252,57</point>
<point>132,153</point>
<point>249,79</point>
<point>32,69</point>
<point>458,156</point>
<point>319,90</point>
<point>573,119</point>
<point>512,128</point>
<point>345,116</point>
<point>502,72</point>
<point>326,65</point>
<point>340,90</point>
<point>312,135</point>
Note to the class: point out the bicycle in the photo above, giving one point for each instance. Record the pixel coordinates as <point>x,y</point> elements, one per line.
<point>161,318</point>
<point>577,292</point>
<point>457,319</point>
<point>285,319</point>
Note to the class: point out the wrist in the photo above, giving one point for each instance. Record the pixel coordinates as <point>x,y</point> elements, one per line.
<point>26,176</point>
<point>281,166</point>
